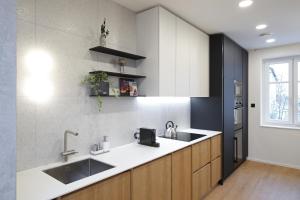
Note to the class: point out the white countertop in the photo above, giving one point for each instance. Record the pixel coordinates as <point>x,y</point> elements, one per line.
<point>34,184</point>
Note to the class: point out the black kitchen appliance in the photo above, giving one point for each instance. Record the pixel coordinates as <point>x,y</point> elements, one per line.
<point>186,137</point>
<point>238,123</point>
<point>147,137</point>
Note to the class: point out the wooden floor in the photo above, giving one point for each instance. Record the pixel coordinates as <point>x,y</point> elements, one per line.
<point>258,181</point>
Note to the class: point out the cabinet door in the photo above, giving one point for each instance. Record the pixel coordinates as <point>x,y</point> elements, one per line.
<point>195,63</point>
<point>238,64</point>
<point>115,188</point>
<point>201,182</point>
<point>199,63</point>
<point>182,174</point>
<point>204,64</point>
<point>228,105</point>
<point>83,194</point>
<point>245,104</point>
<point>216,146</point>
<point>200,154</point>
<point>216,167</point>
<point>152,181</point>
<point>167,52</point>
<point>182,85</point>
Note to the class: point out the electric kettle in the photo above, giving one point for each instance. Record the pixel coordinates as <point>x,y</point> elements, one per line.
<point>170,130</point>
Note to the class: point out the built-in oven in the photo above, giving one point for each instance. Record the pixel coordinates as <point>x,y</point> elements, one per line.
<point>238,147</point>
<point>238,105</point>
<point>238,88</point>
<point>238,118</point>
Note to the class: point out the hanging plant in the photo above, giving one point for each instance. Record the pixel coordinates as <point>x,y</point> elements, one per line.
<point>96,83</point>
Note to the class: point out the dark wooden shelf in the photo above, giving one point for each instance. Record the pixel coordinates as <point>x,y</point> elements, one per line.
<point>91,95</point>
<point>121,75</point>
<point>116,53</point>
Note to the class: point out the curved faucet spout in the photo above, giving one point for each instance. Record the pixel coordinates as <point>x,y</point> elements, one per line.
<point>66,153</point>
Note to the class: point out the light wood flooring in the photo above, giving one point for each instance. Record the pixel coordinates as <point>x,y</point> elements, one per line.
<point>258,181</point>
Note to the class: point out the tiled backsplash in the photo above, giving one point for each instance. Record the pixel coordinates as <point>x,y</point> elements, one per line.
<point>50,98</point>
<point>7,100</point>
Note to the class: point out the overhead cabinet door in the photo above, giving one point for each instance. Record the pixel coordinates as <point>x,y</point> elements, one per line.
<point>182,59</point>
<point>204,65</point>
<point>167,52</point>
<point>199,63</point>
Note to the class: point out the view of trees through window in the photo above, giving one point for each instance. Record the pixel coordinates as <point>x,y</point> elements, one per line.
<point>281,96</point>
<point>279,91</point>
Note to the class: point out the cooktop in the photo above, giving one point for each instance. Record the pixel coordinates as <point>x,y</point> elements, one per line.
<point>186,137</point>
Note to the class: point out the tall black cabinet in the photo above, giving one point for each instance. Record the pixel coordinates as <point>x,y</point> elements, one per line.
<point>228,62</point>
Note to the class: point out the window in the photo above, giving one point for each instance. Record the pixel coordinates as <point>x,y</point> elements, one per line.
<point>281,92</point>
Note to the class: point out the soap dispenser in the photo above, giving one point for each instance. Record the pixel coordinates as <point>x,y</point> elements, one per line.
<point>106,144</point>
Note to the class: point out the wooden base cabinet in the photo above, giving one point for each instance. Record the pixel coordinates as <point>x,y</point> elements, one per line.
<point>115,188</point>
<point>201,154</point>
<point>182,174</point>
<point>187,174</point>
<point>216,146</point>
<point>152,181</point>
<point>201,182</point>
<point>216,171</point>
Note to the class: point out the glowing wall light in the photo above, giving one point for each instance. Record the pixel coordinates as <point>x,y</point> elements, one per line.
<point>38,86</point>
<point>163,100</point>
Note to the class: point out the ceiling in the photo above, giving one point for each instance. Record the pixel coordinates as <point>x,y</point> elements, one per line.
<point>215,16</point>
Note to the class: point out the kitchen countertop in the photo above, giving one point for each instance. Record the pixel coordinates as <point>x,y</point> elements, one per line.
<point>34,184</point>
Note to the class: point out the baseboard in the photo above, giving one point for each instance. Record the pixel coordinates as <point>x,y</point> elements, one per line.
<point>273,163</point>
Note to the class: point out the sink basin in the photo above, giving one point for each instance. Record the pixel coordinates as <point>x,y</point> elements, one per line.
<point>78,170</point>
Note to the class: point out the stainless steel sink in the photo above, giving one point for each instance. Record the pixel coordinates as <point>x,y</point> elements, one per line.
<point>78,170</point>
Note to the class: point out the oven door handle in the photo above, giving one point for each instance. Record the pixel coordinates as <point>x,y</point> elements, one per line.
<point>236,150</point>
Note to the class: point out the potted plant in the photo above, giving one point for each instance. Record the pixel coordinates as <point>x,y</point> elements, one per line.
<point>98,85</point>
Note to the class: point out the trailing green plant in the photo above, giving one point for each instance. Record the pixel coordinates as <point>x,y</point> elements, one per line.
<point>94,81</point>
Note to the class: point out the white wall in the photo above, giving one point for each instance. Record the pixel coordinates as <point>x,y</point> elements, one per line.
<point>7,99</point>
<point>65,30</point>
<point>272,145</point>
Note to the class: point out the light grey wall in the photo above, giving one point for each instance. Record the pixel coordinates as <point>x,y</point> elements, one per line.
<point>271,145</point>
<point>64,30</point>
<point>7,99</point>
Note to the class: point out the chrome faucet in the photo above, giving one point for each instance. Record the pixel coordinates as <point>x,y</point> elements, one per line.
<point>66,152</point>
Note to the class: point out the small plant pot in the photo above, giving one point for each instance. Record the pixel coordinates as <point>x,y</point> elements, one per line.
<point>100,90</point>
<point>102,40</point>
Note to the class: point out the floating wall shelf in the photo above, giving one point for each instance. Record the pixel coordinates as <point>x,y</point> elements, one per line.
<point>91,95</point>
<point>121,75</point>
<point>117,53</point>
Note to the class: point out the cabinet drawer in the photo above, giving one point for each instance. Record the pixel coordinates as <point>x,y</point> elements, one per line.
<point>200,154</point>
<point>201,182</point>
<point>216,147</point>
<point>216,174</point>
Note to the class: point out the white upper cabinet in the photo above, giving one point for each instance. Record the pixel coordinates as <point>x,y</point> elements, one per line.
<point>199,63</point>
<point>167,53</point>
<point>177,55</point>
<point>182,58</point>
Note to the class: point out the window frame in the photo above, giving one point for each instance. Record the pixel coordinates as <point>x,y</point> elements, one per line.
<point>293,121</point>
<point>296,84</point>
